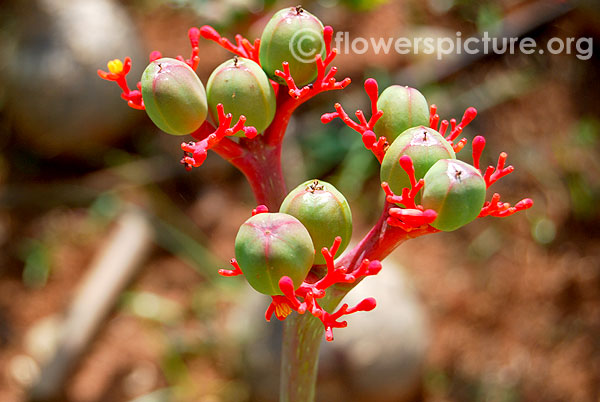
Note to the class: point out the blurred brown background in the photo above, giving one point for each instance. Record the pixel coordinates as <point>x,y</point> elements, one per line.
<point>109,248</point>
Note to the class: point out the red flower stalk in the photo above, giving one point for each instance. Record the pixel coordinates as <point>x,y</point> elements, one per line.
<point>231,272</point>
<point>492,174</point>
<point>325,81</point>
<point>243,48</point>
<point>282,306</point>
<point>377,145</point>
<point>503,209</point>
<point>194,60</point>
<point>455,130</point>
<point>195,152</point>
<point>413,216</point>
<point>117,72</point>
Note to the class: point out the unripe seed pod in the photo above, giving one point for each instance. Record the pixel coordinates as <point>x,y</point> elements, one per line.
<point>424,145</point>
<point>244,89</point>
<point>456,191</point>
<point>174,96</point>
<point>269,246</point>
<point>403,107</point>
<point>296,36</point>
<point>324,211</point>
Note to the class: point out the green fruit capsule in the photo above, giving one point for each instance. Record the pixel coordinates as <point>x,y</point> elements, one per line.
<point>244,89</point>
<point>403,107</point>
<point>456,191</point>
<point>269,246</point>
<point>296,36</point>
<point>324,211</point>
<point>174,96</point>
<point>424,145</point>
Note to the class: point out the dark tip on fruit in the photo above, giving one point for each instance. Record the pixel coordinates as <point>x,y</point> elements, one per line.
<point>314,186</point>
<point>299,9</point>
<point>457,174</point>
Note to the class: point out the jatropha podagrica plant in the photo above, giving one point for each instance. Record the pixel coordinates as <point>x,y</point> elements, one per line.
<point>290,255</point>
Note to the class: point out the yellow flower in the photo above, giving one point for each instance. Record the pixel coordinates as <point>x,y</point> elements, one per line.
<point>115,66</point>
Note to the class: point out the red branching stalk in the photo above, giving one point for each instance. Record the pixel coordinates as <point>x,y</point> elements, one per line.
<point>503,209</point>
<point>455,130</point>
<point>194,60</point>
<point>243,47</point>
<point>492,174</point>
<point>288,102</point>
<point>231,272</point>
<point>377,145</point>
<point>325,81</point>
<point>260,164</point>
<point>380,241</point>
<point>195,152</point>
<point>412,216</point>
<point>117,72</point>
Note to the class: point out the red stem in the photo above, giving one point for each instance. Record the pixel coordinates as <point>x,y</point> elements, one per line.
<point>257,160</point>
<point>381,240</point>
<point>286,105</point>
<point>262,168</point>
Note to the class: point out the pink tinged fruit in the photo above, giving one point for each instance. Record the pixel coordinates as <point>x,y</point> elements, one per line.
<point>425,146</point>
<point>324,211</point>
<point>292,35</point>
<point>243,89</point>
<point>403,107</point>
<point>269,246</point>
<point>456,191</point>
<point>173,96</point>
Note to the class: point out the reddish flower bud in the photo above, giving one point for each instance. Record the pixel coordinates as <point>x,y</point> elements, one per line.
<point>324,211</point>
<point>244,90</point>
<point>295,36</point>
<point>456,191</point>
<point>174,96</point>
<point>403,107</point>
<point>270,246</point>
<point>423,145</point>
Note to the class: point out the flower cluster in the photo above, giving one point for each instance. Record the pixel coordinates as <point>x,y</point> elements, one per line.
<point>243,115</point>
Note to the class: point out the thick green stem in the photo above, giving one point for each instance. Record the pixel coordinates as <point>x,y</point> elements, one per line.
<point>302,336</point>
